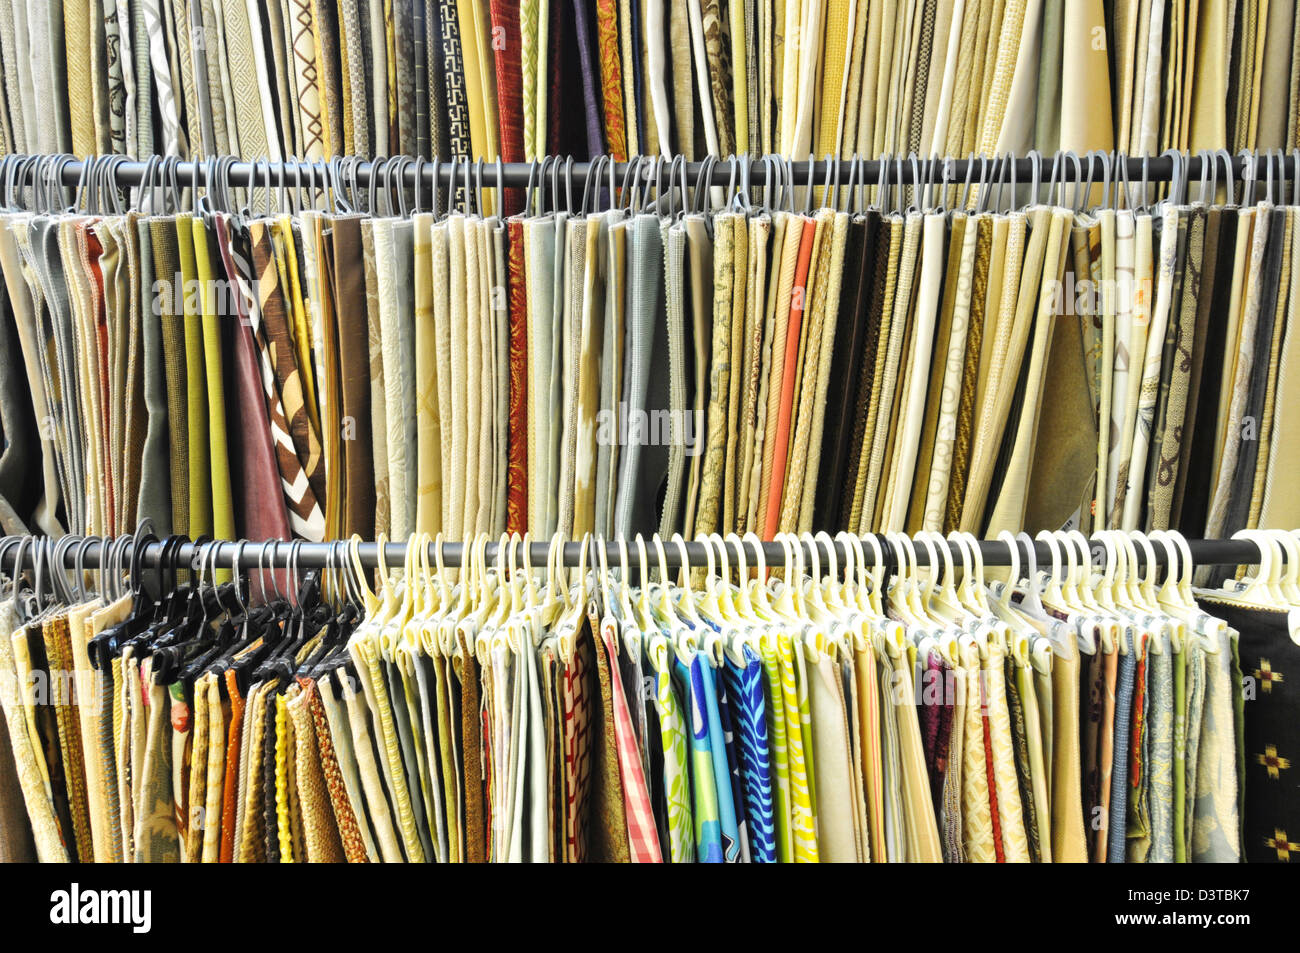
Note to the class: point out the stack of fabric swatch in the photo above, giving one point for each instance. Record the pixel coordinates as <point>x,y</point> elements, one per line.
<point>654,368</point>
<point>498,714</point>
<point>521,79</point>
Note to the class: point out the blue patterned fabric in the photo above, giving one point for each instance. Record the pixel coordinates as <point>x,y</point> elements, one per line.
<point>748,707</point>
<point>704,791</point>
<point>703,678</point>
<point>733,763</point>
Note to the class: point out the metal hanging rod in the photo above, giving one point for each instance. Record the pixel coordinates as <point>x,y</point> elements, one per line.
<point>895,170</point>
<point>276,554</point>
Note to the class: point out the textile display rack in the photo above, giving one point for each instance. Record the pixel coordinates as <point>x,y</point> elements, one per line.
<point>425,718</point>
<point>89,552</point>
<point>357,172</point>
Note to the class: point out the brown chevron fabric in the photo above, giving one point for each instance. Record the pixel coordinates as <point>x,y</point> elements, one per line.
<point>277,345</point>
<point>297,446</point>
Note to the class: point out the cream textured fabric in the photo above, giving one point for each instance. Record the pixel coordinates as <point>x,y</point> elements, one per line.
<point>1009,510</point>
<point>35,788</point>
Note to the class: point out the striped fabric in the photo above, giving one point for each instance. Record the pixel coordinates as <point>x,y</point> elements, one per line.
<point>643,839</point>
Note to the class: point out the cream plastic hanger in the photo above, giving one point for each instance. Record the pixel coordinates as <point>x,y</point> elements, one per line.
<point>462,618</point>
<point>1000,607</point>
<point>571,620</point>
<point>465,581</point>
<point>1083,585</point>
<point>504,606</point>
<point>814,602</point>
<point>847,619</point>
<point>686,605</point>
<point>370,601</point>
<point>1183,617</point>
<point>715,640</point>
<point>1070,555</point>
<point>758,588</point>
<point>667,609</point>
<point>634,636</point>
<point>1013,577</point>
<point>435,598</point>
<point>746,621</point>
<point>531,597</point>
<point>972,595</point>
<point>897,587</point>
<point>1141,605</point>
<point>924,582</point>
<point>644,611</point>
<point>722,591</point>
<point>945,604</point>
<point>1103,586</point>
<point>444,590</point>
<point>557,581</point>
<point>839,586</point>
<point>682,613</point>
<point>1290,570</point>
<point>1263,588</point>
<point>624,593</point>
<point>1013,634</point>
<point>871,582</point>
<point>709,606</point>
<point>1050,583</point>
<point>743,604</point>
<point>428,631</point>
<point>390,600</point>
<point>604,588</point>
<point>1170,595</point>
<point>1030,603</point>
<point>971,592</point>
<point>786,602</point>
<point>513,582</point>
<point>484,601</point>
<point>416,577</point>
<point>903,595</point>
<point>1146,581</point>
<point>1137,595</point>
<point>1156,617</point>
<point>835,586</point>
<point>391,634</point>
<point>1113,620</point>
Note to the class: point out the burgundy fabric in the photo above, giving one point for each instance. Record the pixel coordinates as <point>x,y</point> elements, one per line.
<point>510,93</point>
